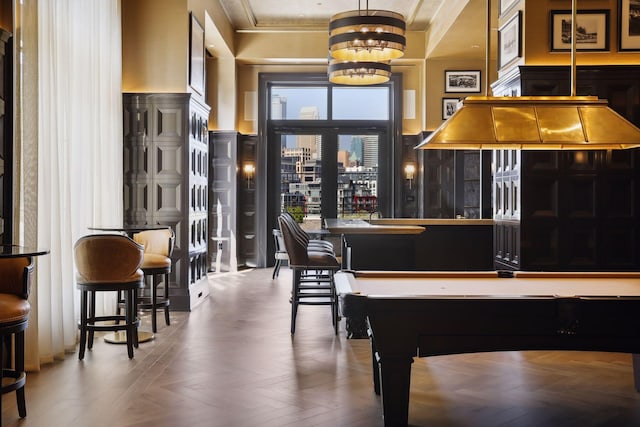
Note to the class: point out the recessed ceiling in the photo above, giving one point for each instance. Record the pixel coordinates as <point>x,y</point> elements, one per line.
<point>457,28</point>
<point>315,14</point>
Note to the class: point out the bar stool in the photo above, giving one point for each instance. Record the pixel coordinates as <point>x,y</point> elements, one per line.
<point>158,247</point>
<point>15,283</point>
<point>281,252</point>
<point>107,263</point>
<point>313,274</point>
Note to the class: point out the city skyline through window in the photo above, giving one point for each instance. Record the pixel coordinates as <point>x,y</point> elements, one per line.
<point>355,158</point>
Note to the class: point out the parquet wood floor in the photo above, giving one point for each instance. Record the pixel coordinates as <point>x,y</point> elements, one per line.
<point>232,362</point>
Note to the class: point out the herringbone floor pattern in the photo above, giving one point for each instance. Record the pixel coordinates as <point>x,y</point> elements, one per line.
<point>232,362</point>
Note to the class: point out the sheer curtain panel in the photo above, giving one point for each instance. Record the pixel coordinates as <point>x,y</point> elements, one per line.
<point>79,154</point>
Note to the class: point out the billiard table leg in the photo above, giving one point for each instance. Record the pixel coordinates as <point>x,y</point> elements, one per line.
<point>395,379</point>
<point>636,371</point>
<point>375,366</point>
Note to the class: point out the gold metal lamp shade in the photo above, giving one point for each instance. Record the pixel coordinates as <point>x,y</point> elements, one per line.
<point>367,35</point>
<point>358,73</point>
<point>534,123</point>
<point>361,44</point>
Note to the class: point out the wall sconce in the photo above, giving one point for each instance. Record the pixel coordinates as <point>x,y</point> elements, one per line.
<point>249,170</point>
<point>409,172</point>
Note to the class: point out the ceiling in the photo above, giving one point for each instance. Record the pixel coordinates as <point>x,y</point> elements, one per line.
<point>457,27</point>
<point>315,14</point>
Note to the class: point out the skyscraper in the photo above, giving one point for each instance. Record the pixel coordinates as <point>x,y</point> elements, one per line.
<point>312,142</point>
<point>278,107</point>
<point>370,151</point>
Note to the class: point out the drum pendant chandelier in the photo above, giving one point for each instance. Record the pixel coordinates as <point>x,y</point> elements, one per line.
<point>361,44</point>
<point>359,73</point>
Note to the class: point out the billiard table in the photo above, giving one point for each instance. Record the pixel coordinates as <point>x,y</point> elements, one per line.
<point>418,314</point>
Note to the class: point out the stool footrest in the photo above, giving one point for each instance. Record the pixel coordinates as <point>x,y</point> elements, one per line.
<point>111,327</point>
<point>19,379</point>
<point>145,303</point>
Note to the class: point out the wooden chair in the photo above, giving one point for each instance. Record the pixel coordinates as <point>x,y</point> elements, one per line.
<point>158,247</point>
<point>15,283</point>
<point>108,263</point>
<point>313,274</point>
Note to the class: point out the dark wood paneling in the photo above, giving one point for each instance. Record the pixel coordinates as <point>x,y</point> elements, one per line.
<point>439,247</point>
<point>247,203</point>
<point>439,184</point>
<point>223,191</point>
<point>409,206</point>
<point>579,209</point>
<point>166,176</point>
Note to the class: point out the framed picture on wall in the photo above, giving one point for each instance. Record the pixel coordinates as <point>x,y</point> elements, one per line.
<point>449,106</point>
<point>510,40</point>
<point>462,81</point>
<point>196,55</point>
<point>592,31</point>
<point>629,25</point>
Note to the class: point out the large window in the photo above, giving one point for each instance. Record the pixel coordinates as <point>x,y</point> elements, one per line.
<point>328,151</point>
<point>329,141</point>
<point>360,103</point>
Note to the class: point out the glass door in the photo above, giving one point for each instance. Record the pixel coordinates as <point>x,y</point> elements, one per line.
<point>301,178</point>
<point>327,173</point>
<point>357,183</point>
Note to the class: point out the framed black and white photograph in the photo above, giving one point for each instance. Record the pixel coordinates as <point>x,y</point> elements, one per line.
<point>510,40</point>
<point>196,55</point>
<point>505,5</point>
<point>629,25</point>
<point>462,81</point>
<point>592,30</point>
<point>449,106</point>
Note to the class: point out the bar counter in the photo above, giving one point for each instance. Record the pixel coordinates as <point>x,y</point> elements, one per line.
<point>418,244</point>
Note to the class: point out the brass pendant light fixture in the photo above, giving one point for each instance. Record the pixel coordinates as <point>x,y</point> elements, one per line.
<point>359,73</point>
<point>535,122</point>
<point>361,44</point>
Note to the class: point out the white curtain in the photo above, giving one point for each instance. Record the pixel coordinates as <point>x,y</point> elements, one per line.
<point>79,155</point>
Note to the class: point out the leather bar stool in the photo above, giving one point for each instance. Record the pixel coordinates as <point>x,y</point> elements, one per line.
<point>312,244</point>
<point>15,283</point>
<point>158,247</point>
<point>108,263</point>
<point>313,274</point>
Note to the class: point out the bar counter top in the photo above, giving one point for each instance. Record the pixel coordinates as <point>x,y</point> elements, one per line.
<point>360,226</point>
<point>430,221</point>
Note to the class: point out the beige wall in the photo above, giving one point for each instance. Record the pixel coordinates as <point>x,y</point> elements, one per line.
<point>435,85</point>
<point>256,50</point>
<point>155,46</point>
<point>155,56</point>
<point>412,79</point>
<point>154,40</point>
<point>537,35</point>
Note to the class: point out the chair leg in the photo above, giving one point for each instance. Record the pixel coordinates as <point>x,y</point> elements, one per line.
<point>334,303</point>
<point>92,316</point>
<point>19,367</point>
<point>130,319</point>
<point>276,270</point>
<point>134,316</point>
<point>119,302</point>
<point>294,299</point>
<point>83,323</point>
<point>154,301</point>
<point>167,320</point>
